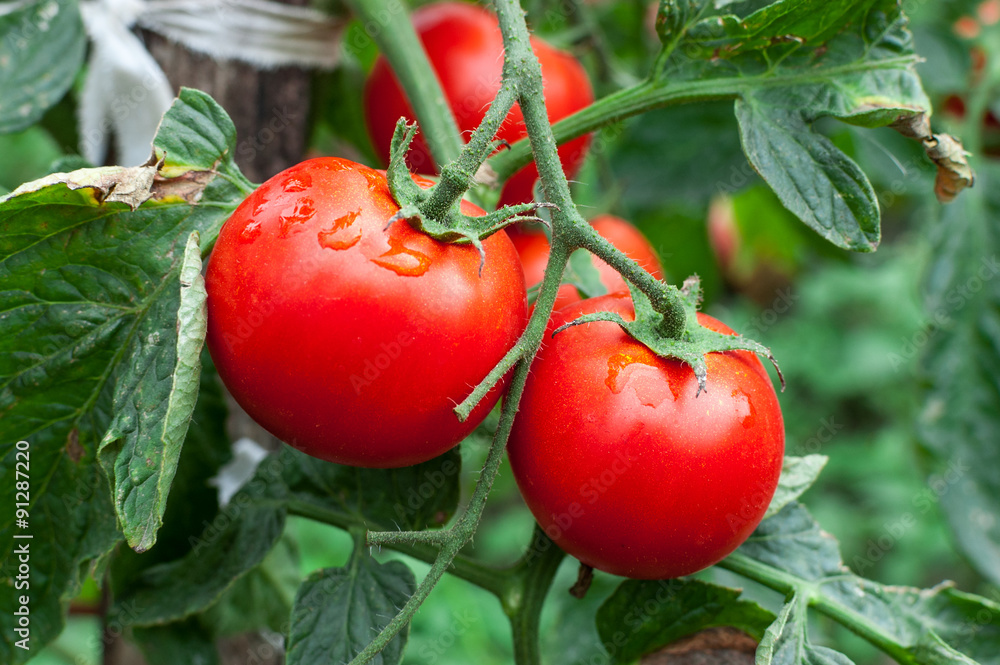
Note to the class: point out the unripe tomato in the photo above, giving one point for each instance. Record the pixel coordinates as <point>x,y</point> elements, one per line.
<point>624,467</point>
<point>464,45</point>
<point>348,341</point>
<point>533,248</point>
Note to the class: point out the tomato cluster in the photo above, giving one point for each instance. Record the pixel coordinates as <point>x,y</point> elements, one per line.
<point>352,340</point>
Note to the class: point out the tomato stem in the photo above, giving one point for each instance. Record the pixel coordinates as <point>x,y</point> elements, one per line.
<point>650,95</point>
<point>788,584</point>
<point>397,40</point>
<point>527,586</point>
<point>484,576</point>
<point>458,176</point>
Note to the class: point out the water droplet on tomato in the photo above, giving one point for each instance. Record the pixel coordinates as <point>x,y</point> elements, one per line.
<point>301,212</point>
<point>250,232</point>
<point>297,182</point>
<point>745,410</point>
<point>342,234</point>
<point>616,364</point>
<point>375,180</point>
<point>337,164</point>
<point>259,208</point>
<point>402,260</point>
<point>641,371</point>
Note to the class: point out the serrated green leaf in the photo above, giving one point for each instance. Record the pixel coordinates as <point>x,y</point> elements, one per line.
<point>795,549</point>
<point>786,642</point>
<point>232,544</point>
<point>411,498</point>
<point>961,414</point>
<point>154,400</point>
<point>810,175</point>
<point>642,616</point>
<point>797,475</point>
<point>206,449</point>
<point>89,274</point>
<point>41,50</point>
<point>339,610</point>
<point>791,62</point>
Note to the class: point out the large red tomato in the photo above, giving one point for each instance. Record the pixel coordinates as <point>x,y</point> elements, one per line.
<point>350,342</point>
<point>465,48</point>
<point>624,468</point>
<point>533,248</point>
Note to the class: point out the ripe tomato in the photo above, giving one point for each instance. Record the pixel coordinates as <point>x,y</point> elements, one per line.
<point>347,341</point>
<point>533,248</point>
<point>624,468</point>
<point>464,45</point>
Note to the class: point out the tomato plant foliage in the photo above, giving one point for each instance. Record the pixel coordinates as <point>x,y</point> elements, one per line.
<point>103,370</point>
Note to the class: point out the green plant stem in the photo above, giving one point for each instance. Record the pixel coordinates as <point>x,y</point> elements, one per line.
<point>570,231</point>
<point>787,583</point>
<point>650,95</point>
<point>461,532</point>
<point>462,566</point>
<point>524,594</point>
<point>458,176</point>
<point>398,42</point>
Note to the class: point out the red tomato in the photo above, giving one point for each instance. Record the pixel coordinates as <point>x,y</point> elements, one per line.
<point>624,468</point>
<point>533,248</point>
<point>465,48</point>
<point>347,341</point>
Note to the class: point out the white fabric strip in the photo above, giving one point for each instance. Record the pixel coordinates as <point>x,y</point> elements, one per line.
<point>125,92</point>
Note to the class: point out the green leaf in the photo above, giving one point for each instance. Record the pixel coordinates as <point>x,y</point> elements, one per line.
<point>642,616</point>
<point>339,610</point>
<point>921,626</point>
<point>786,641</point>
<point>181,642</point>
<point>235,542</point>
<point>961,357</point>
<point>90,264</point>
<point>262,598</point>
<point>154,399</point>
<point>797,475</point>
<point>206,449</point>
<point>411,498</point>
<point>41,50</point>
<point>791,62</point>
<point>810,175</point>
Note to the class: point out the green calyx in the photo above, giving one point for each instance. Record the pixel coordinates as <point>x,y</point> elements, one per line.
<point>654,330</point>
<point>437,211</point>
